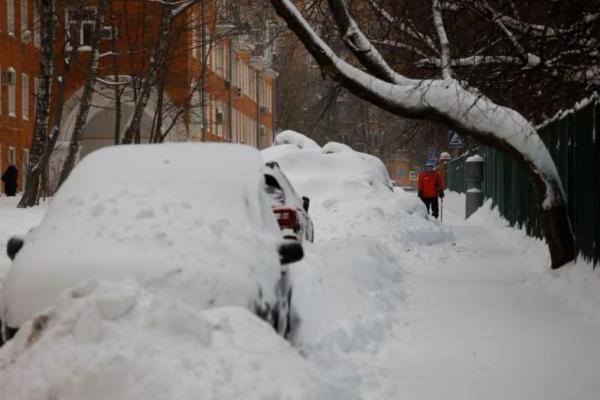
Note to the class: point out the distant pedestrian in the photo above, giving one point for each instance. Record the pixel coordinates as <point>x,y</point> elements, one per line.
<point>9,177</point>
<point>430,187</point>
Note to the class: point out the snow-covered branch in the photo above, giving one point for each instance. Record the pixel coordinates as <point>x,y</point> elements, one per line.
<point>471,61</point>
<point>360,46</point>
<point>400,45</point>
<point>438,22</point>
<point>112,83</point>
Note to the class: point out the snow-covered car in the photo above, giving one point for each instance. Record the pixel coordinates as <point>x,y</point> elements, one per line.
<point>191,221</point>
<point>290,209</point>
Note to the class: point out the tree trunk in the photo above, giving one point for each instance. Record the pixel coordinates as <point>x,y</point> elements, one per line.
<point>42,103</point>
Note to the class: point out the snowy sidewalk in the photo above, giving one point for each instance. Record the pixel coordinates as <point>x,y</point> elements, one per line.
<point>479,323</point>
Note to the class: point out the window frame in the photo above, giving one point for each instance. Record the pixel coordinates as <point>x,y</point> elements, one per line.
<point>12,94</point>
<point>24,18</point>
<point>80,22</point>
<point>10,17</point>
<point>25,108</point>
<point>12,156</point>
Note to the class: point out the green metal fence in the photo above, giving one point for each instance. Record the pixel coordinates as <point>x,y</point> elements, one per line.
<point>572,140</point>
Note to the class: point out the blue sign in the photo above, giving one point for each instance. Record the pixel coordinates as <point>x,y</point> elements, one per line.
<point>454,140</point>
<point>431,154</point>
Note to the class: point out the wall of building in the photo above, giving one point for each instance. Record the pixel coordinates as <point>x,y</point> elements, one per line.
<point>17,55</point>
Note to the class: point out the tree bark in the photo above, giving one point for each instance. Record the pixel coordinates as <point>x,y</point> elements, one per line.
<point>42,102</point>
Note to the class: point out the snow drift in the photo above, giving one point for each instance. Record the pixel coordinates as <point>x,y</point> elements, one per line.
<point>120,342</point>
<point>350,281</point>
<point>186,220</point>
<point>330,174</point>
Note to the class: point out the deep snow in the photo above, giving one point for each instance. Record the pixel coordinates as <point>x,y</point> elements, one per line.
<point>390,304</point>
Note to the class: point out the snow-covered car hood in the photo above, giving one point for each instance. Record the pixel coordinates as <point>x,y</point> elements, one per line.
<point>185,220</point>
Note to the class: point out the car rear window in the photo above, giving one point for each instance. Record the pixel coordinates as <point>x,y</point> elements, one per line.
<point>274,191</point>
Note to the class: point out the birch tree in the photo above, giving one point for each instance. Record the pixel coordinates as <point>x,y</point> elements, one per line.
<point>444,101</point>
<point>42,103</point>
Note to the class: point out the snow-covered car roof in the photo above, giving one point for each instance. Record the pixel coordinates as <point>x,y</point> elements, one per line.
<point>190,220</point>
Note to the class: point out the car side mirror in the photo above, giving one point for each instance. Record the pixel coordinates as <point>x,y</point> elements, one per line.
<point>13,246</point>
<point>290,251</point>
<point>305,203</point>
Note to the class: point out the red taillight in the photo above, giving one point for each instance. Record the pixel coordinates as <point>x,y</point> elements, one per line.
<point>286,217</point>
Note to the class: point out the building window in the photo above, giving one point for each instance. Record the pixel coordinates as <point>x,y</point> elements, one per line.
<point>12,156</point>
<point>25,165</point>
<point>25,32</point>
<point>10,16</point>
<point>11,81</point>
<point>25,96</point>
<point>81,22</point>
<point>194,34</point>
<point>36,86</point>
<point>36,27</point>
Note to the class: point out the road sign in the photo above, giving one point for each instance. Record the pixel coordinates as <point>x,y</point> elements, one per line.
<point>454,140</point>
<point>431,153</point>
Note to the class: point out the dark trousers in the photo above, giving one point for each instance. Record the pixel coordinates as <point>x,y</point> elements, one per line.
<point>432,205</point>
<point>10,190</point>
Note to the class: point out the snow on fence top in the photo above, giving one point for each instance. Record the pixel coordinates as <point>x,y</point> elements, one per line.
<point>474,158</point>
<point>595,97</point>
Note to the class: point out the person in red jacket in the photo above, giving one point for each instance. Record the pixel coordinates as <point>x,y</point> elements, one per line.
<point>430,186</point>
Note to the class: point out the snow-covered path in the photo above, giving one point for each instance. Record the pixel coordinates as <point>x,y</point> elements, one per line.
<point>479,323</point>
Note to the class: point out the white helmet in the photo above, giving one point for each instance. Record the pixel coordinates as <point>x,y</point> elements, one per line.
<point>445,156</point>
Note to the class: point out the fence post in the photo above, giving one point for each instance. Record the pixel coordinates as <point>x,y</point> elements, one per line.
<point>473,177</point>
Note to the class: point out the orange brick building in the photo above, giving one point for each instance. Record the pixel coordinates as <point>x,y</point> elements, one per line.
<point>17,76</point>
<point>232,99</point>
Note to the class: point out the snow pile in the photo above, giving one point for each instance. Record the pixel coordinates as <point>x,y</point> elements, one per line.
<point>350,282</point>
<point>355,187</point>
<point>335,147</point>
<point>115,341</point>
<point>330,175</point>
<point>344,291</point>
<point>578,284</point>
<point>128,213</point>
<point>296,139</point>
